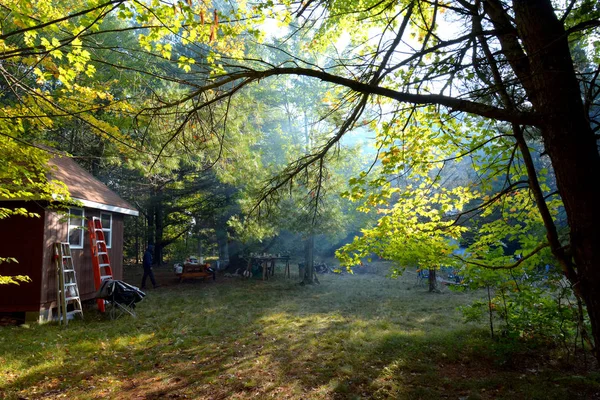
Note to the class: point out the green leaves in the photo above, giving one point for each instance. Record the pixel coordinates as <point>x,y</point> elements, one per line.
<point>23,176</point>
<point>441,181</point>
<point>414,230</point>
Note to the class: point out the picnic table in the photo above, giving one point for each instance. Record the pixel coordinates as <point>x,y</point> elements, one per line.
<point>267,262</point>
<point>192,268</point>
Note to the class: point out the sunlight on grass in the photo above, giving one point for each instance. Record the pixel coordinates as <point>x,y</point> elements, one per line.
<point>138,341</point>
<point>350,337</point>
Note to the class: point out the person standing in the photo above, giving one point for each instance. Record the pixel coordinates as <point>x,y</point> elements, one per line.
<point>147,264</point>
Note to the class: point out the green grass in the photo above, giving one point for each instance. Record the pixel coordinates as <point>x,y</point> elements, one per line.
<point>352,337</point>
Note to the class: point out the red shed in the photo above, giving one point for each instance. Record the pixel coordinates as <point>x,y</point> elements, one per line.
<point>30,241</point>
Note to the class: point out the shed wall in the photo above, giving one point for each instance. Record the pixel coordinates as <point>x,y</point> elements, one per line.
<point>56,231</point>
<point>20,237</point>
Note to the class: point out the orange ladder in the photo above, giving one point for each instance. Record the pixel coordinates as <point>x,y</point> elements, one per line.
<point>100,260</point>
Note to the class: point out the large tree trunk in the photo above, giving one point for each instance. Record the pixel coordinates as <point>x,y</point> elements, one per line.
<point>432,280</point>
<point>309,260</point>
<point>159,234</point>
<point>150,227</point>
<point>569,141</point>
<point>199,248</point>
<point>235,250</point>
<point>223,243</point>
<point>137,241</point>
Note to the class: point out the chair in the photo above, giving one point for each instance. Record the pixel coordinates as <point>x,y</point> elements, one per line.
<point>120,297</point>
<point>422,276</point>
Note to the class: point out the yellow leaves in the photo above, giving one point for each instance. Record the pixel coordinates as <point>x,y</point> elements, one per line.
<point>46,43</point>
<point>41,79</point>
<point>90,70</point>
<point>190,36</point>
<point>52,47</point>
<point>76,42</point>
<point>29,37</point>
<point>56,53</point>
<point>67,76</point>
<point>284,18</point>
<point>104,95</point>
<point>91,93</point>
<point>164,50</point>
<point>185,63</point>
<point>145,42</point>
<point>76,31</point>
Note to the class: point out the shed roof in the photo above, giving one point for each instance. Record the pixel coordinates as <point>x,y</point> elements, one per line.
<point>87,189</point>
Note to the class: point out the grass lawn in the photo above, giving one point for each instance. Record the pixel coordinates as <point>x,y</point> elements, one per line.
<point>351,337</point>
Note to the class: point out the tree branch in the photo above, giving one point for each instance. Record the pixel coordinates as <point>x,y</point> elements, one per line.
<point>511,266</point>
<point>56,21</point>
<point>452,103</point>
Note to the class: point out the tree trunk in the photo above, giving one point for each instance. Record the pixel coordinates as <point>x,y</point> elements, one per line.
<point>235,249</point>
<point>569,141</point>
<point>222,241</point>
<point>267,247</point>
<point>432,280</point>
<point>150,227</point>
<point>309,260</point>
<point>159,233</point>
<point>137,241</point>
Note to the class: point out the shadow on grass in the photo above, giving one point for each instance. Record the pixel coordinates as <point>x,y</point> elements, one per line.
<point>350,337</point>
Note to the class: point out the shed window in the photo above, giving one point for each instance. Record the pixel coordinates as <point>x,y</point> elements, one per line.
<point>76,226</point>
<point>106,220</point>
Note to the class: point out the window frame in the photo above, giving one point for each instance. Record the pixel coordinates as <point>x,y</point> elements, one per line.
<point>80,227</point>
<point>109,230</point>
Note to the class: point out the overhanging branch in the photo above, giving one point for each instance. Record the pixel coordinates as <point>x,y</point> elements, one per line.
<point>533,252</point>
<point>452,103</point>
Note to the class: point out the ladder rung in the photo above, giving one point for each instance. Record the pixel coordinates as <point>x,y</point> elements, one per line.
<point>71,314</point>
<point>105,277</point>
<point>68,291</point>
<point>104,265</point>
<point>102,253</point>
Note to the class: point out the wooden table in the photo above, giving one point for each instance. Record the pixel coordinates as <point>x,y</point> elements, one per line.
<point>268,264</point>
<point>193,270</point>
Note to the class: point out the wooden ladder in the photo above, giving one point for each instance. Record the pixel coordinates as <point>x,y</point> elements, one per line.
<point>100,260</point>
<point>66,282</point>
